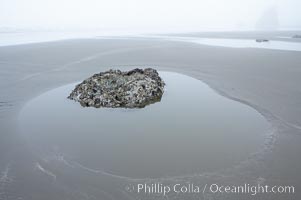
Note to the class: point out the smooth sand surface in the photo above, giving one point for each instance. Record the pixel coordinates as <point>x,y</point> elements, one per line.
<point>267,80</point>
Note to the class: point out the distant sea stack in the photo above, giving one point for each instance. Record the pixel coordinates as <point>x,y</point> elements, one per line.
<point>269,20</point>
<point>131,89</point>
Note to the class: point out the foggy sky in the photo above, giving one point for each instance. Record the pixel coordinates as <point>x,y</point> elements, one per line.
<point>150,15</point>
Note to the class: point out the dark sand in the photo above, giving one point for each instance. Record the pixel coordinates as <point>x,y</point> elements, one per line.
<point>267,80</point>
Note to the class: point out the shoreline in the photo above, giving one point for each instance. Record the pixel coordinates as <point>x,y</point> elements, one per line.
<point>30,38</point>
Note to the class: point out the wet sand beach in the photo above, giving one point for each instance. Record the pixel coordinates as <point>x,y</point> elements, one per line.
<point>264,79</point>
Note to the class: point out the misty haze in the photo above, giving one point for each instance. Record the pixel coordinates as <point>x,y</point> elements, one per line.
<point>136,99</point>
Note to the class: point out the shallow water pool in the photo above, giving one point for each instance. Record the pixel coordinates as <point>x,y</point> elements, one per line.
<point>192,130</point>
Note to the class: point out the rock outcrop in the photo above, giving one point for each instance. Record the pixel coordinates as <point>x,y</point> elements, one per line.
<point>262,40</point>
<point>133,89</point>
<point>297,36</point>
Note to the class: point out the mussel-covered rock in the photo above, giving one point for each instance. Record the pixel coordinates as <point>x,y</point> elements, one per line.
<point>114,88</point>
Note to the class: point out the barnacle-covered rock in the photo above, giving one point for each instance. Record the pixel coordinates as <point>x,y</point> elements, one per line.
<point>132,89</point>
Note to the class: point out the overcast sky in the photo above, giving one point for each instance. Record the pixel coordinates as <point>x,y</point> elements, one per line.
<point>151,15</point>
